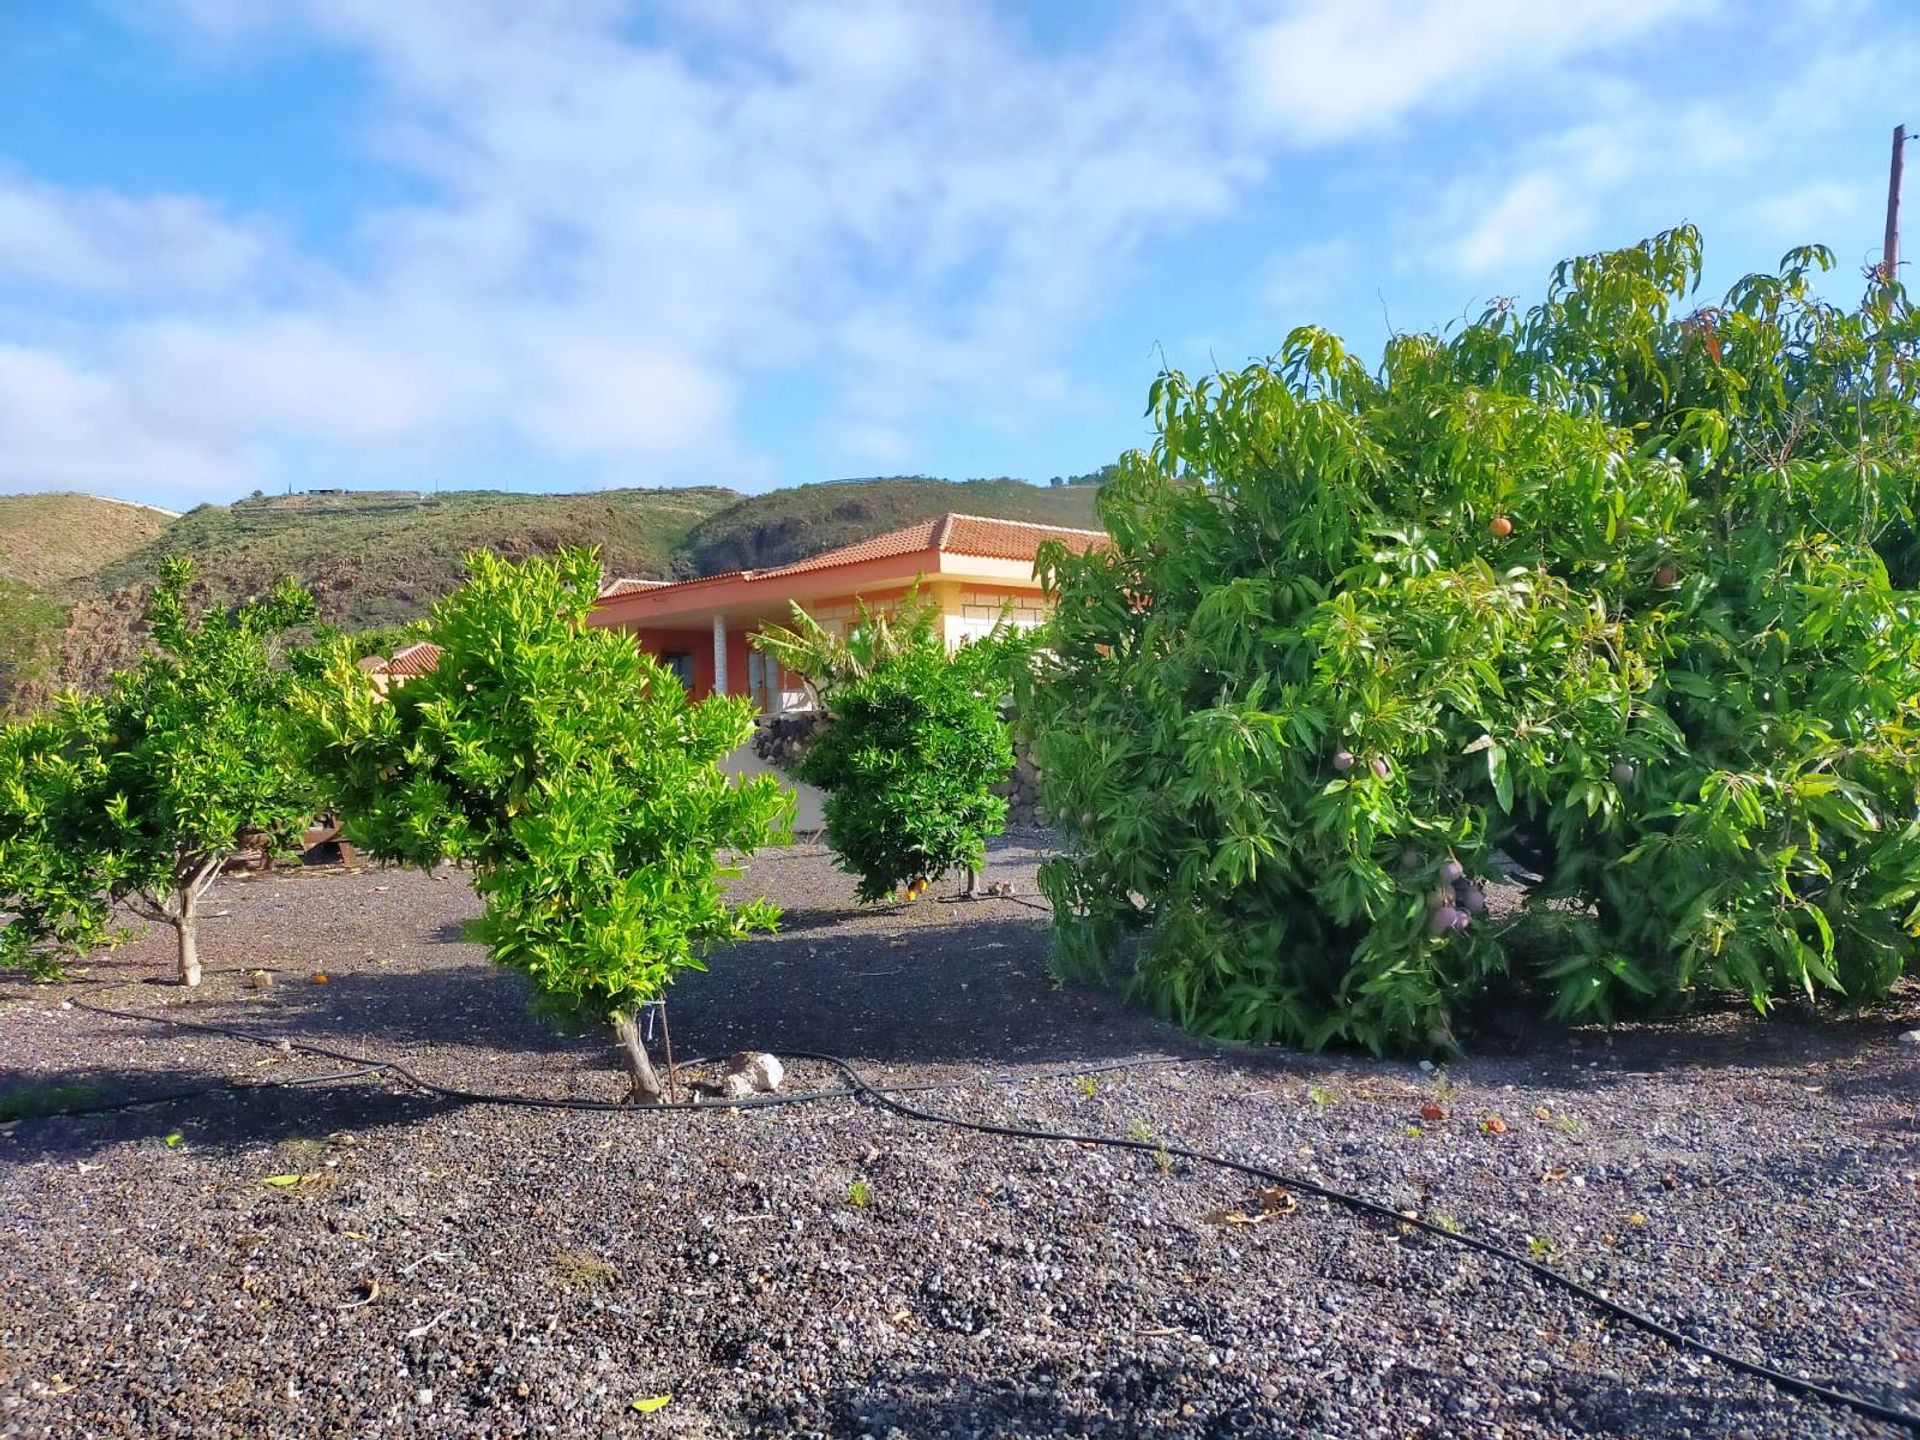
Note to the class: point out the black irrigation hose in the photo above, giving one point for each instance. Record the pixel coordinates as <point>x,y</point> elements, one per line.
<point>858,1086</point>
<point>535,1102</point>
<point>1792,1384</point>
<point>171,1097</point>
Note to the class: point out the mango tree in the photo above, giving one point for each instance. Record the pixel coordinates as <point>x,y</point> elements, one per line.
<point>572,774</point>
<point>141,795</point>
<point>1619,588</point>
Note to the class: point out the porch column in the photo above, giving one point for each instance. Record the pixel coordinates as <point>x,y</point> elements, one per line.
<point>719,655</point>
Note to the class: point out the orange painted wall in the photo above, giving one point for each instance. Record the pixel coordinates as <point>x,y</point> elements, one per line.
<point>699,643</point>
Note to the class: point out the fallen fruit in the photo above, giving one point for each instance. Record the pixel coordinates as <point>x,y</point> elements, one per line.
<point>320,977</point>
<point>1494,1125</point>
<point>1433,1111</point>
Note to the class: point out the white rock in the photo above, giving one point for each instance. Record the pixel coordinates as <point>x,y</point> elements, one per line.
<point>1912,1037</point>
<point>760,1070</point>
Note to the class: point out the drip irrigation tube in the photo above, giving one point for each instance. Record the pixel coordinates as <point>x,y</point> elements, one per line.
<point>885,1097</point>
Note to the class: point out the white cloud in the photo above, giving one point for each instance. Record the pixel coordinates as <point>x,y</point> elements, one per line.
<point>623,220</point>
<point>1334,69</point>
<point>619,236</point>
<point>66,428</point>
<point>98,241</point>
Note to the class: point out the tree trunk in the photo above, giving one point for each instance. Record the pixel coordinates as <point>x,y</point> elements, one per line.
<point>633,1051</point>
<point>973,883</point>
<point>186,921</point>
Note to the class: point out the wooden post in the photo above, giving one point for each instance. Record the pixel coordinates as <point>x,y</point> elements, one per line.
<point>1890,252</point>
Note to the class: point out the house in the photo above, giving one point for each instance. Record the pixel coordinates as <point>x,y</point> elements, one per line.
<point>972,567</point>
<point>407,663</point>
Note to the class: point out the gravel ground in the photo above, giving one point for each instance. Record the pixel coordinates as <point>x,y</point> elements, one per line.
<point>831,1269</point>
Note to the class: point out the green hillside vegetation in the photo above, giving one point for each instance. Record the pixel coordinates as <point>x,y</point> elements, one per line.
<point>375,558</point>
<point>75,571</point>
<point>47,541</point>
<point>787,525</point>
<point>49,546</point>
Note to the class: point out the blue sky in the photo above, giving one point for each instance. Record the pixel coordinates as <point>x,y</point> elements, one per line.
<point>557,244</point>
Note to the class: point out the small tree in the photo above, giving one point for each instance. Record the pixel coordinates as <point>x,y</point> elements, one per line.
<point>572,773</point>
<point>143,794</point>
<point>913,745</point>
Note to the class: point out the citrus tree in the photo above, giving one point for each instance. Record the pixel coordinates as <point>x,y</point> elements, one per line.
<point>143,793</point>
<point>912,743</point>
<point>571,772</point>
<point>1619,587</point>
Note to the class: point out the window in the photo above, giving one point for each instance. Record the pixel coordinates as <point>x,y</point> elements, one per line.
<point>680,662</point>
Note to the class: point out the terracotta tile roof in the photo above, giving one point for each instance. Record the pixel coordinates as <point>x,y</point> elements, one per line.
<point>418,659</point>
<point>952,534</point>
<point>626,585</point>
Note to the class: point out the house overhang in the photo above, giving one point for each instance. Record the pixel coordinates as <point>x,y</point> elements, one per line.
<point>745,596</point>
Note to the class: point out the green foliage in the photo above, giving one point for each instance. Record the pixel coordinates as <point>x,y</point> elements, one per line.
<point>913,742</point>
<point>30,625</point>
<point>1620,588</point>
<point>143,793</point>
<point>569,770</point>
<point>827,661</point>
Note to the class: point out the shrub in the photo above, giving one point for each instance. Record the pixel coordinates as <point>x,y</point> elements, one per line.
<point>143,794</point>
<point>1621,589</point>
<point>574,776</point>
<point>913,742</point>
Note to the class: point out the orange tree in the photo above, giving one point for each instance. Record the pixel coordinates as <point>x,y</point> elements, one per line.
<point>574,776</point>
<point>913,740</point>
<point>1621,585</point>
<point>139,796</point>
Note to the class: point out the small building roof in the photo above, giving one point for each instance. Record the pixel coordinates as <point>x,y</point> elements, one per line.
<point>420,658</point>
<point>949,534</point>
<point>626,585</point>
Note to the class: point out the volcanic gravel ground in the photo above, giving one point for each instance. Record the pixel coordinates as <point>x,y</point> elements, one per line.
<point>829,1268</point>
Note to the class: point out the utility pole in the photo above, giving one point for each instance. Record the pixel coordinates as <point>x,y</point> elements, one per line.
<point>1890,252</point>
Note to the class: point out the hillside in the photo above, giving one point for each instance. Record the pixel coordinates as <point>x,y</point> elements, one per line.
<point>380,558</point>
<point>376,558</point>
<point>49,544</point>
<point>787,525</point>
<point>47,541</point>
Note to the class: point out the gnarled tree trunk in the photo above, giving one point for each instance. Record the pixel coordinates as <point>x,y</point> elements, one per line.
<point>633,1051</point>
